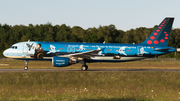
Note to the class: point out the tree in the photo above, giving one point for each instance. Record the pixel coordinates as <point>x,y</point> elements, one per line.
<point>63,33</point>
<point>79,32</point>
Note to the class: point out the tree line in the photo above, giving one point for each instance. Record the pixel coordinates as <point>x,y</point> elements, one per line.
<point>63,33</point>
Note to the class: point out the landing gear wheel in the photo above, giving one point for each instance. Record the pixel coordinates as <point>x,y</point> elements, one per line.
<point>26,65</point>
<point>26,68</point>
<point>84,67</point>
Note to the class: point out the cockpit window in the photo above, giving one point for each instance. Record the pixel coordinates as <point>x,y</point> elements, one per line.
<point>14,47</point>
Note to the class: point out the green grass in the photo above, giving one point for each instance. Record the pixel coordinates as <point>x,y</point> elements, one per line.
<point>85,86</point>
<point>89,85</point>
<point>10,63</point>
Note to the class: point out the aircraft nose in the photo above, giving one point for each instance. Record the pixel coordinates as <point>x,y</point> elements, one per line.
<point>5,53</point>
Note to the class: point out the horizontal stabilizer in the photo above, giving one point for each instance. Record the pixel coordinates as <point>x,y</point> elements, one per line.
<point>164,49</point>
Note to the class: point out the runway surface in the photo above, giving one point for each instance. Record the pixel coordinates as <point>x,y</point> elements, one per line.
<point>89,70</point>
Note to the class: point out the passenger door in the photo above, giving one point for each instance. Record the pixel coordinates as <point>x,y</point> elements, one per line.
<point>25,48</point>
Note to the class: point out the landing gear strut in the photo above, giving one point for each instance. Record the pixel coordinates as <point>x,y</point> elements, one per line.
<point>84,66</point>
<point>26,65</point>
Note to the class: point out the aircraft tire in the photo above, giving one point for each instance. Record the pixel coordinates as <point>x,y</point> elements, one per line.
<point>26,68</point>
<point>84,67</point>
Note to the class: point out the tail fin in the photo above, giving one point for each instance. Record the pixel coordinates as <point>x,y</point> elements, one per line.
<point>160,35</point>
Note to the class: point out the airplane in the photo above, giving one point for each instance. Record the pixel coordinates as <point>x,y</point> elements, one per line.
<point>68,53</point>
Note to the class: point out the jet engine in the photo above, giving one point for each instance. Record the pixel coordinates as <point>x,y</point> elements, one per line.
<point>62,61</point>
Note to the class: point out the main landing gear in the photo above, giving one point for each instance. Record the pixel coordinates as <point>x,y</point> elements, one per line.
<point>26,65</point>
<point>84,66</point>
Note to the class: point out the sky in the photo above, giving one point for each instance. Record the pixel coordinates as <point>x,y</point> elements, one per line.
<point>124,14</point>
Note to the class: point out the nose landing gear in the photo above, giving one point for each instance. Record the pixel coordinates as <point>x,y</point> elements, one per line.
<point>26,65</point>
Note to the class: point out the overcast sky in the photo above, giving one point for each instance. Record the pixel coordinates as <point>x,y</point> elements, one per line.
<point>124,14</point>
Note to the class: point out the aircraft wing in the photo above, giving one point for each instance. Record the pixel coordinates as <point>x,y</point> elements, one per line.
<point>84,55</point>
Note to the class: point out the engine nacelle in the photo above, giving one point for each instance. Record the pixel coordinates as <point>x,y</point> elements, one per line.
<point>60,61</point>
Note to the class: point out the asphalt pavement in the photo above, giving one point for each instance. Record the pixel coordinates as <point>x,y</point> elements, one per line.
<point>89,70</point>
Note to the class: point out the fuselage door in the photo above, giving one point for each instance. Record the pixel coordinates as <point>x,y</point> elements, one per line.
<point>28,48</point>
<point>25,48</point>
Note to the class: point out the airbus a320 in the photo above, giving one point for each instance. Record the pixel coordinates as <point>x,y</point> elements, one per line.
<point>67,53</point>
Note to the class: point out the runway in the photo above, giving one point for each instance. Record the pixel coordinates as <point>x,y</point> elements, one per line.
<point>89,70</point>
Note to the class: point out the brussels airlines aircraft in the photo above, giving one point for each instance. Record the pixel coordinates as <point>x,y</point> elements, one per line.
<point>67,53</point>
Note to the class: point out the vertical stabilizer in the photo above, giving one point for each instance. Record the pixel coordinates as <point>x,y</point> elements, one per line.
<point>160,35</point>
